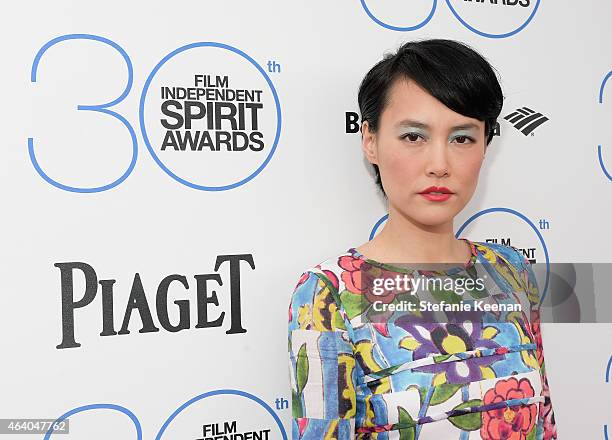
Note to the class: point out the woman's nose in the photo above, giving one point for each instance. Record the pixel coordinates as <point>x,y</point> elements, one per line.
<point>437,161</point>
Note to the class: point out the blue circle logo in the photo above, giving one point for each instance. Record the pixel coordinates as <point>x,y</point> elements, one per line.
<point>209,122</point>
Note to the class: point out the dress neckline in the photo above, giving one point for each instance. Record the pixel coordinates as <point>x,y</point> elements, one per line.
<point>464,266</point>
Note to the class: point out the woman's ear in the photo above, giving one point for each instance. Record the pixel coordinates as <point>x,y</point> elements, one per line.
<point>368,143</point>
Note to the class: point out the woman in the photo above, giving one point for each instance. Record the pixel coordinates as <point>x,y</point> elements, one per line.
<point>428,114</point>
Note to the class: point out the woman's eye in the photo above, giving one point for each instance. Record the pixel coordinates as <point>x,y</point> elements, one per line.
<point>412,137</point>
<point>463,139</point>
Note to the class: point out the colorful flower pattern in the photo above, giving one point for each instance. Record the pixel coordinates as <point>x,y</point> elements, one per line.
<point>405,379</point>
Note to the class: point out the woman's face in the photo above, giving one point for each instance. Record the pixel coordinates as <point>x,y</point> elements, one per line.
<point>421,143</point>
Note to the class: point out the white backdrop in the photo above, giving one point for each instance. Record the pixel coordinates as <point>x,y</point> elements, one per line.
<point>95,188</point>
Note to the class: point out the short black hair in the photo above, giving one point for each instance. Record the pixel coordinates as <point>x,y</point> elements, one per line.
<point>451,71</point>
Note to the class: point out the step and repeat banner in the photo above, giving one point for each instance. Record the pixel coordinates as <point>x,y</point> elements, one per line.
<point>170,169</point>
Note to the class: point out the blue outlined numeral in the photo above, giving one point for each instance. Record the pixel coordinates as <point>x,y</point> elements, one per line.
<point>599,155</point>
<point>102,108</point>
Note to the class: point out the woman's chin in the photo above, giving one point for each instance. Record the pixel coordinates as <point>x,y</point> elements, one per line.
<point>434,218</point>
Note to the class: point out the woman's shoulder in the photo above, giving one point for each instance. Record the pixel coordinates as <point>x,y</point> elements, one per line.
<point>335,270</point>
<point>509,253</point>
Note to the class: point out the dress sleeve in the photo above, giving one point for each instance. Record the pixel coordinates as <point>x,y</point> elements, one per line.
<point>321,363</point>
<point>546,416</point>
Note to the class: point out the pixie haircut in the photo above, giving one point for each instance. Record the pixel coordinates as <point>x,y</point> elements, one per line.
<point>450,71</point>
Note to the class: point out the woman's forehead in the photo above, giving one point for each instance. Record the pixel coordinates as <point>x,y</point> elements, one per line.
<point>408,104</point>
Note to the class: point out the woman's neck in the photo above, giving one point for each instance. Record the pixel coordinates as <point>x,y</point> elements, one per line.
<point>403,241</point>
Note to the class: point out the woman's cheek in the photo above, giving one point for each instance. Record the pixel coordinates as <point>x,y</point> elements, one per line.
<point>403,166</point>
<point>469,173</point>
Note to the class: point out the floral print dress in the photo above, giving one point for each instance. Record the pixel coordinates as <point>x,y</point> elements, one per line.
<point>401,380</point>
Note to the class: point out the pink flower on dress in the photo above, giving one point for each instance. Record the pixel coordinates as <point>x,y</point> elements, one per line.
<point>509,423</point>
<point>351,275</point>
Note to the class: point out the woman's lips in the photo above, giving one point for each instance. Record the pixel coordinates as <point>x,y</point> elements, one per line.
<point>436,193</point>
<point>432,197</point>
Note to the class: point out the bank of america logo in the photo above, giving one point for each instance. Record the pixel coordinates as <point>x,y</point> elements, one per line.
<point>525,120</point>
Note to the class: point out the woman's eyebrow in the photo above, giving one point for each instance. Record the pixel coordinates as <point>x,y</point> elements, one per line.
<point>415,123</point>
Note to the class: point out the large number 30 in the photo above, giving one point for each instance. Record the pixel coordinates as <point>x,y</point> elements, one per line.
<point>105,108</point>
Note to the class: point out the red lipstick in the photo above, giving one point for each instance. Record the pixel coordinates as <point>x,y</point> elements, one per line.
<point>436,193</point>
